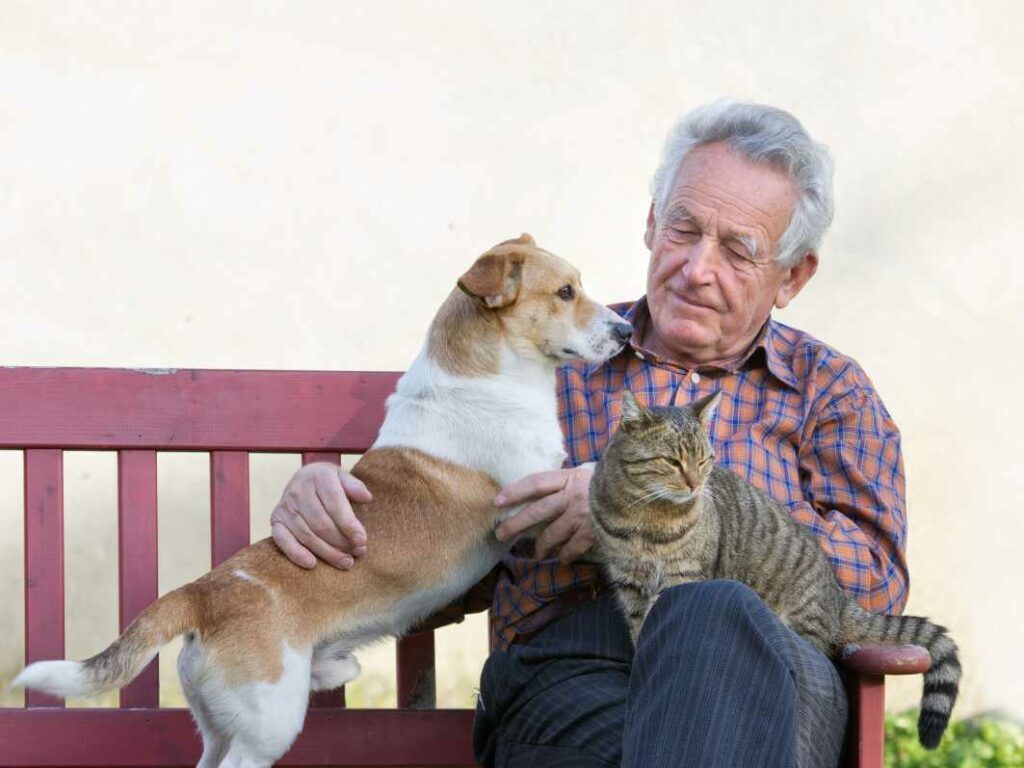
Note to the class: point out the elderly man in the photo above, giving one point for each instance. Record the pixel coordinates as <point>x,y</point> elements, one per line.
<point>741,202</point>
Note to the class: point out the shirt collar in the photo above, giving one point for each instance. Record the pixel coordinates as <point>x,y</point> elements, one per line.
<point>766,349</point>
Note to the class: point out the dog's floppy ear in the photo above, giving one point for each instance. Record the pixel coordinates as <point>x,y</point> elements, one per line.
<point>494,280</point>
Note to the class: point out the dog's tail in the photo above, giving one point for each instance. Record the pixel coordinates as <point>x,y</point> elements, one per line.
<point>117,665</point>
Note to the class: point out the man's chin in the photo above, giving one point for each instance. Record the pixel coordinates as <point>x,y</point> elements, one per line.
<point>684,338</point>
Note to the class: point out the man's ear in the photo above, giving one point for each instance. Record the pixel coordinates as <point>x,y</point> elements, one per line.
<point>495,278</point>
<point>651,226</point>
<point>796,278</point>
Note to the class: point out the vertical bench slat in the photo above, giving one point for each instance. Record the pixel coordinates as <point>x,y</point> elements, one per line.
<point>137,558</point>
<point>229,503</point>
<point>865,735</point>
<point>44,562</point>
<point>416,675</point>
<point>335,698</point>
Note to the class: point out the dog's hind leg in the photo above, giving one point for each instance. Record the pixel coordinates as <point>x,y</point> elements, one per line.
<point>262,719</point>
<point>333,666</point>
<point>190,673</point>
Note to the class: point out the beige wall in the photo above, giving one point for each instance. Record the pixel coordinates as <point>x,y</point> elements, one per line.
<point>282,185</point>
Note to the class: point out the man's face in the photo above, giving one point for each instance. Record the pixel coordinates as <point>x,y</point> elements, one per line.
<point>713,277</point>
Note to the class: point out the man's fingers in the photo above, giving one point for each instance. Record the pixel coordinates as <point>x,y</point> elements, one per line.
<point>554,536</point>
<point>290,546</point>
<point>354,487</point>
<point>537,512</point>
<point>319,547</point>
<point>339,510</point>
<point>581,542</point>
<point>330,555</point>
<point>316,519</point>
<point>532,487</point>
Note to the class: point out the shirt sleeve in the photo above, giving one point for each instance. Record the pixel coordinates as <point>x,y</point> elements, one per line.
<point>851,469</point>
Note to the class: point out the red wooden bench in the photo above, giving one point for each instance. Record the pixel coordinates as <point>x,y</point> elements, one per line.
<point>229,414</point>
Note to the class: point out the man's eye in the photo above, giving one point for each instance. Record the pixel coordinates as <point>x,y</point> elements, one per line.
<point>566,293</point>
<point>740,258</point>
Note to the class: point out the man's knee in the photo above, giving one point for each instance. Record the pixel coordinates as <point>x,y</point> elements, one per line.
<point>704,601</point>
<point>703,615</point>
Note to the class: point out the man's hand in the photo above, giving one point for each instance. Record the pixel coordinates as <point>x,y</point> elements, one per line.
<point>314,518</point>
<point>561,499</point>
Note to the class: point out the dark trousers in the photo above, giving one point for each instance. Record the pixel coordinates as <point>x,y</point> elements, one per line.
<point>716,680</point>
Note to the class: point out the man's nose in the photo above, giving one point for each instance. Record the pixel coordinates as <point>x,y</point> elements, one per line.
<point>699,262</point>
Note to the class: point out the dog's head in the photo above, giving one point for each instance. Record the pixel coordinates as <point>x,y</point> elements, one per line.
<point>537,299</point>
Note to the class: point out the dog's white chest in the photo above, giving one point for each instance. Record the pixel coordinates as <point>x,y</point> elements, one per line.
<point>506,426</point>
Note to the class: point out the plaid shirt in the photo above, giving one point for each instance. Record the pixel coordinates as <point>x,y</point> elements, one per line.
<point>799,420</point>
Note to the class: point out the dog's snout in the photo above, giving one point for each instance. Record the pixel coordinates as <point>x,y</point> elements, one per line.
<point>622,331</point>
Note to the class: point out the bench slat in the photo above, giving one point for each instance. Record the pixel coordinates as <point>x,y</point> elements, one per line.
<point>167,737</point>
<point>416,675</point>
<point>865,736</point>
<point>229,503</point>
<point>335,698</point>
<point>105,408</point>
<point>137,559</point>
<point>44,563</point>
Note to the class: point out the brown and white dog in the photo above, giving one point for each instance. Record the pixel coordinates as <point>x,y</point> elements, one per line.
<point>476,411</point>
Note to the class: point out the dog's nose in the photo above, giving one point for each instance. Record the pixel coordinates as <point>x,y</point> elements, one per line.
<point>622,332</point>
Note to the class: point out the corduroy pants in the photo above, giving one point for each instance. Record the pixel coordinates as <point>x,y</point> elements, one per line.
<point>716,680</point>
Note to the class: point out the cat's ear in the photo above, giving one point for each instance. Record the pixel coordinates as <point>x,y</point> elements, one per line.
<point>705,408</point>
<point>633,414</point>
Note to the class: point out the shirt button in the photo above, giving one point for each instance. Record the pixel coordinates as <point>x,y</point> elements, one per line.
<point>641,357</point>
<point>695,377</point>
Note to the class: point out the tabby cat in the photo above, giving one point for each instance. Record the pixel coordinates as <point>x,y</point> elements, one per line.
<point>665,514</point>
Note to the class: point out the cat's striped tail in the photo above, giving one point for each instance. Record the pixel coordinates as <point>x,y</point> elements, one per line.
<point>941,681</point>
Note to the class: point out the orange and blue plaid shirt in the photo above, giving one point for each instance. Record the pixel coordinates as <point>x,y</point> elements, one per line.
<point>799,420</point>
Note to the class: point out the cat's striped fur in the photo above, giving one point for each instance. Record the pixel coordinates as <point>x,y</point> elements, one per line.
<point>665,514</point>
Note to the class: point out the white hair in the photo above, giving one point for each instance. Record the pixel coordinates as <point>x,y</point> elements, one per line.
<point>764,135</point>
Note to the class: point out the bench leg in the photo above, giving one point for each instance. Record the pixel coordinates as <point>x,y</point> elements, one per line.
<point>865,733</point>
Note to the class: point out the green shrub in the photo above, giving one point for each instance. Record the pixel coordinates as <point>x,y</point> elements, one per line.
<point>984,743</point>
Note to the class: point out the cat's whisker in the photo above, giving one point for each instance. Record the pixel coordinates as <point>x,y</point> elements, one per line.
<point>655,495</point>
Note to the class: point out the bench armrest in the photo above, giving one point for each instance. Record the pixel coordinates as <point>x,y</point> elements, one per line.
<point>885,659</point>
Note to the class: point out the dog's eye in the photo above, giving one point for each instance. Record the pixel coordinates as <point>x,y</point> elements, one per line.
<point>566,293</point>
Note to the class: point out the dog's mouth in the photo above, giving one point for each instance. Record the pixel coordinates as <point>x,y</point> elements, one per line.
<point>559,354</point>
<point>619,346</point>
<point>596,345</point>
<point>593,352</point>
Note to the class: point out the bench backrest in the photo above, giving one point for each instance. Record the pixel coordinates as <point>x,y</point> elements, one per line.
<point>229,414</point>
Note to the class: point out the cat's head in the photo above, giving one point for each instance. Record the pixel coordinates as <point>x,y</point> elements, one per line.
<point>665,449</point>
